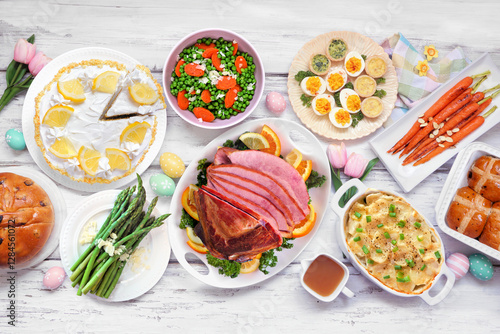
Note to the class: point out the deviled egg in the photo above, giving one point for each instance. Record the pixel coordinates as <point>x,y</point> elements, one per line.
<point>340,118</point>
<point>350,100</point>
<point>313,86</point>
<point>322,104</point>
<point>336,79</point>
<point>354,64</point>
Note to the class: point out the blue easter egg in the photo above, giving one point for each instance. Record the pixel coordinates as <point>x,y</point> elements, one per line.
<point>15,139</point>
<point>480,267</point>
<point>162,185</point>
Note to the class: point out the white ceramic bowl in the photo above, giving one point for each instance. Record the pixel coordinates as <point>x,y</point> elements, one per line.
<point>342,213</point>
<point>191,39</point>
<point>457,178</point>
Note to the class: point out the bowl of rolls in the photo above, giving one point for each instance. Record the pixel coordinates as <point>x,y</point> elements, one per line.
<point>391,243</point>
<point>468,208</point>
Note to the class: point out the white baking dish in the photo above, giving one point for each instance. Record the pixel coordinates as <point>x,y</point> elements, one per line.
<point>342,213</point>
<point>458,179</point>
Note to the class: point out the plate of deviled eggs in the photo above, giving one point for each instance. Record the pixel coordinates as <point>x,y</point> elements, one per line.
<point>342,85</point>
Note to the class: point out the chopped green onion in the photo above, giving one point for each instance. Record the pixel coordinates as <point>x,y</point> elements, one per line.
<point>392,214</point>
<point>400,274</point>
<point>368,219</point>
<point>392,207</point>
<point>401,236</point>
<point>423,267</point>
<point>438,255</point>
<point>365,249</point>
<point>420,238</point>
<point>404,279</point>
<point>379,251</point>
<point>401,223</point>
<point>380,225</point>
<point>394,242</point>
<point>421,250</point>
<point>387,276</point>
<point>395,249</point>
<point>356,239</point>
<point>417,225</point>
<point>370,261</point>
<point>410,263</point>
<point>359,229</point>
<point>387,235</point>
<point>357,214</point>
<point>397,267</point>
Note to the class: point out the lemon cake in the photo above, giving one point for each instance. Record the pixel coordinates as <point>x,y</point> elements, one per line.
<point>95,121</point>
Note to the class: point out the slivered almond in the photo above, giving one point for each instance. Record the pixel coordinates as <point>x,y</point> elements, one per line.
<point>449,132</point>
<point>431,135</point>
<point>431,118</point>
<point>421,121</point>
<point>438,140</point>
<point>423,125</point>
<point>455,130</point>
<point>435,125</point>
<point>421,116</point>
<point>449,139</point>
<point>441,145</point>
<point>441,125</point>
<point>435,132</point>
<point>442,137</point>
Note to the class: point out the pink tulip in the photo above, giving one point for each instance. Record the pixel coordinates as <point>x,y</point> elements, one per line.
<point>355,166</point>
<point>24,51</point>
<point>38,62</point>
<point>337,154</point>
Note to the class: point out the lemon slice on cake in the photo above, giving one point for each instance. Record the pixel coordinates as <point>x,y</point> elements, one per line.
<point>106,82</point>
<point>135,132</point>
<point>143,94</point>
<point>63,148</point>
<point>57,116</point>
<point>254,141</point>
<point>71,90</point>
<point>89,160</point>
<point>118,159</point>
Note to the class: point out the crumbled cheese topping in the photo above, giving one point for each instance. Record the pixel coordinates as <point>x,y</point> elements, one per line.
<point>89,232</point>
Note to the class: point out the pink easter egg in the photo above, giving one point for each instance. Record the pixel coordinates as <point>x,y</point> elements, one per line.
<point>459,264</point>
<point>54,277</point>
<point>275,102</point>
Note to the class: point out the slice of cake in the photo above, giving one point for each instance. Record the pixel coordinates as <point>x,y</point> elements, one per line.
<point>73,137</point>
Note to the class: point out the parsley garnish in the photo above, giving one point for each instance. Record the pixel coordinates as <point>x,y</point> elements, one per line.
<point>187,220</point>
<point>226,267</point>
<point>303,74</point>
<point>315,180</point>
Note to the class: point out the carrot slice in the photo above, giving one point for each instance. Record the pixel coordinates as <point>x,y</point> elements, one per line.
<point>182,100</point>
<point>204,46</point>
<point>204,114</point>
<point>226,82</point>
<point>240,63</point>
<point>231,96</point>
<point>178,67</point>
<point>194,70</point>
<point>216,62</point>
<point>209,52</point>
<point>206,96</point>
<point>235,46</point>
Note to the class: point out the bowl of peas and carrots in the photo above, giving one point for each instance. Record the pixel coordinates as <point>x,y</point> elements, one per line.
<point>213,78</point>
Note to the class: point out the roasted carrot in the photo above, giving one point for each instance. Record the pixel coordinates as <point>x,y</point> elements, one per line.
<point>235,46</point>
<point>240,63</point>
<point>216,62</point>
<point>204,46</point>
<point>231,96</point>
<point>194,70</point>
<point>226,82</point>
<point>471,110</point>
<point>439,105</point>
<point>206,96</point>
<point>204,114</point>
<point>178,67</point>
<point>450,109</point>
<point>182,100</point>
<point>209,52</point>
<point>467,129</point>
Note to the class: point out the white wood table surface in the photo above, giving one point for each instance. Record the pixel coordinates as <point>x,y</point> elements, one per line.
<point>147,31</point>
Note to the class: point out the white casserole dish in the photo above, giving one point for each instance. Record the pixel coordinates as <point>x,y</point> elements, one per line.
<point>343,213</point>
<point>457,178</point>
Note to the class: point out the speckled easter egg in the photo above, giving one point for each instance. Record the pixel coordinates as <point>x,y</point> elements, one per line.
<point>459,264</point>
<point>480,267</point>
<point>162,185</point>
<point>275,102</point>
<point>172,165</point>
<point>54,277</point>
<point>15,139</point>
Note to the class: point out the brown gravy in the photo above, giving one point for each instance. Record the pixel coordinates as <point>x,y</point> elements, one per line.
<point>323,275</point>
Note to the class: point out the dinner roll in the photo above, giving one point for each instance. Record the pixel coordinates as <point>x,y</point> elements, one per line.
<point>468,212</point>
<point>484,177</point>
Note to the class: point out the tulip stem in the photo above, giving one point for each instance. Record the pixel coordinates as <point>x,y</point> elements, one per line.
<point>15,79</point>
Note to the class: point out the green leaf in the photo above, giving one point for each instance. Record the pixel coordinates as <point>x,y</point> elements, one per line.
<point>303,74</point>
<point>369,167</point>
<point>31,39</point>
<point>337,182</point>
<point>306,100</point>
<point>11,71</point>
